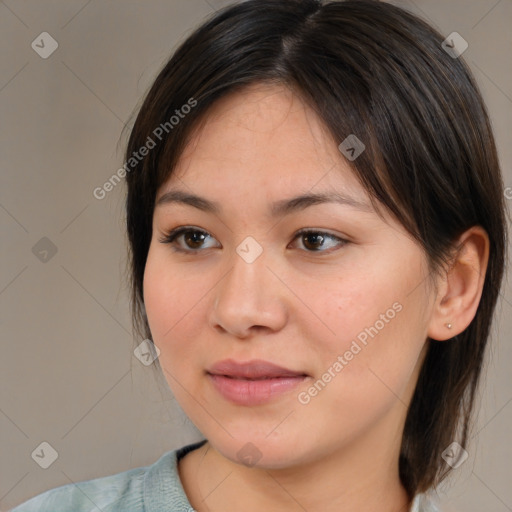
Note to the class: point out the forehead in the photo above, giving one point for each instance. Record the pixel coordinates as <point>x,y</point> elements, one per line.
<point>266,138</point>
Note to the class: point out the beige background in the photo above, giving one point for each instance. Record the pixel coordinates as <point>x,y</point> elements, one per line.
<point>68,376</point>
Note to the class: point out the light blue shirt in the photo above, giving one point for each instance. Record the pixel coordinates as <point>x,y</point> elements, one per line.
<point>154,488</point>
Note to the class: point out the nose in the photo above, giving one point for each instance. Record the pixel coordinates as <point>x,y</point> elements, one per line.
<point>249,299</point>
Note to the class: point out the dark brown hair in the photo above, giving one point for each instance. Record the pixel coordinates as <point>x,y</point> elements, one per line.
<point>375,70</point>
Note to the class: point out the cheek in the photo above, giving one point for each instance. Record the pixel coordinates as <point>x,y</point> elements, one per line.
<point>348,302</point>
<point>158,298</point>
<point>172,304</point>
<point>377,326</point>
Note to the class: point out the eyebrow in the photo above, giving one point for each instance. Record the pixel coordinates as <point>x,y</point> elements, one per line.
<point>277,209</point>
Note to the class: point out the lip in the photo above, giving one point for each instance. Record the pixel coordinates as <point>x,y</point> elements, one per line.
<point>253,392</point>
<point>254,369</point>
<point>253,382</point>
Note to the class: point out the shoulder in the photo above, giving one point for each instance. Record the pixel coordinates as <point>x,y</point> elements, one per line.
<point>425,502</point>
<point>122,491</point>
<point>144,489</point>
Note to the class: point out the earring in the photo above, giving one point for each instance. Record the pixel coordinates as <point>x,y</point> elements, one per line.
<point>449,326</point>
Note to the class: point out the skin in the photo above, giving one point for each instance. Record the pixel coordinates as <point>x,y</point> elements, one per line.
<point>296,307</point>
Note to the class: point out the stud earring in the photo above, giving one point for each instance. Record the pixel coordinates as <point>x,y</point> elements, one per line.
<point>449,326</point>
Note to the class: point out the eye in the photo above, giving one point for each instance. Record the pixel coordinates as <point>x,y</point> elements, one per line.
<point>315,241</point>
<point>194,240</point>
<point>192,237</point>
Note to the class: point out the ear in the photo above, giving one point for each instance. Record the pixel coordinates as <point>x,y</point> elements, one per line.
<point>460,289</point>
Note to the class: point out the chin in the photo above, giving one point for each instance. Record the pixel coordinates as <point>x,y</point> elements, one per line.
<point>259,451</point>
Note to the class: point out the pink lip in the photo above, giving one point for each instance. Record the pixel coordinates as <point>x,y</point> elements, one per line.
<point>253,382</point>
<point>253,392</point>
<point>255,369</point>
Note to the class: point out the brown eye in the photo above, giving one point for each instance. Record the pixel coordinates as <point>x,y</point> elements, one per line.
<point>319,241</point>
<point>313,241</point>
<point>192,239</point>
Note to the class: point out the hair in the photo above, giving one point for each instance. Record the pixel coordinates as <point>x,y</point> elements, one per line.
<point>375,70</point>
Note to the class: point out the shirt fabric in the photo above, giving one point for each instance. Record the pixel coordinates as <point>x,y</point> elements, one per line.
<point>153,488</point>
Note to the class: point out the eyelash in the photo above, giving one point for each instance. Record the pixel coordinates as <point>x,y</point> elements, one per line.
<point>171,236</point>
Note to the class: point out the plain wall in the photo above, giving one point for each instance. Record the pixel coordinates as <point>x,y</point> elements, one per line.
<point>68,375</point>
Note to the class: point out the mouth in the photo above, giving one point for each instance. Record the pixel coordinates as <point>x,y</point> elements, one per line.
<point>254,382</point>
<point>252,370</point>
<point>275,377</point>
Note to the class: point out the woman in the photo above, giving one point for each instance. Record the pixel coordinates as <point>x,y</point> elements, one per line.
<point>317,241</point>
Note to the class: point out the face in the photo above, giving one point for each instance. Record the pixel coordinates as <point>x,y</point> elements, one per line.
<point>345,305</point>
